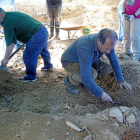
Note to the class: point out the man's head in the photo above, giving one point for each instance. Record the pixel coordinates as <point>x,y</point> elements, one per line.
<point>2,15</point>
<point>106,40</point>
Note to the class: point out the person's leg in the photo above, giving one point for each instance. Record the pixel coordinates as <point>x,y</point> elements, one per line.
<point>135,38</point>
<point>57,12</point>
<point>33,48</point>
<point>74,78</point>
<point>51,19</point>
<point>126,36</point>
<point>101,67</point>
<point>46,56</point>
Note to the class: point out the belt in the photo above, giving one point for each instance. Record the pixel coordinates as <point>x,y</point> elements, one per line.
<point>37,29</point>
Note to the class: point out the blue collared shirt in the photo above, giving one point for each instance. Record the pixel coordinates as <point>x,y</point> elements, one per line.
<point>85,52</point>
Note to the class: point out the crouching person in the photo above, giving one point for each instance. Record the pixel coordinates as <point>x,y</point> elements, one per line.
<point>82,60</point>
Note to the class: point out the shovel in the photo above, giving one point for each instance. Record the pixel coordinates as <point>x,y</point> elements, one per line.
<point>6,69</point>
<point>73,126</point>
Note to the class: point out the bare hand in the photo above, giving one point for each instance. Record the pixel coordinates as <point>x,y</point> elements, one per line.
<point>106,98</point>
<point>4,61</point>
<point>125,85</point>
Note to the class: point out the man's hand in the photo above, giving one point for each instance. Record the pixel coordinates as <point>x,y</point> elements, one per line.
<point>106,98</point>
<point>4,61</point>
<point>125,85</point>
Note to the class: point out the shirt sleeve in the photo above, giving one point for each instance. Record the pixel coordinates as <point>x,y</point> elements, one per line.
<point>85,62</point>
<point>115,66</point>
<point>10,36</point>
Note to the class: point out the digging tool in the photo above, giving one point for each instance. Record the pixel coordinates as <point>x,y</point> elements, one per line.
<point>115,103</point>
<point>73,126</point>
<point>6,69</point>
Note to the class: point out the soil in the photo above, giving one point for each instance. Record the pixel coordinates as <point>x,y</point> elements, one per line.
<point>39,110</point>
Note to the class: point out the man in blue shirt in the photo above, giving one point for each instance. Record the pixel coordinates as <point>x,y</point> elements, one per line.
<point>82,60</point>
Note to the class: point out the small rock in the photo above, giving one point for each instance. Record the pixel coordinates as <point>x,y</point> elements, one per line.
<point>48,123</point>
<point>131,118</point>
<point>89,137</point>
<point>67,133</point>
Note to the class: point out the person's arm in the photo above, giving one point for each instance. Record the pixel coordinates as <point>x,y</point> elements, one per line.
<point>117,70</point>
<point>137,12</point>
<point>85,61</point>
<point>123,6</point>
<point>131,17</point>
<point>9,50</point>
<point>115,66</point>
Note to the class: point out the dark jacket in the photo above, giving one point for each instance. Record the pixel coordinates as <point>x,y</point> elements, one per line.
<point>53,2</point>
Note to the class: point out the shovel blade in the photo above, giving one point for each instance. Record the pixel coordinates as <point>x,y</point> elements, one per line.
<point>2,68</point>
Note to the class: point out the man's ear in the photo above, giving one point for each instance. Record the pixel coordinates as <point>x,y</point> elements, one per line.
<point>98,41</point>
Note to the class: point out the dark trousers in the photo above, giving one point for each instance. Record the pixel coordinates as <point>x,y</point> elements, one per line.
<point>54,12</point>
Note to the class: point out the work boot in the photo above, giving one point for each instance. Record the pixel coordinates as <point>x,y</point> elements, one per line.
<point>57,34</point>
<point>25,79</point>
<point>70,87</point>
<point>51,35</point>
<point>46,69</point>
<point>51,32</point>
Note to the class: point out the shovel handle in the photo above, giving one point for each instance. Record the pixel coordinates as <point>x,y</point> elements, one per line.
<point>16,51</point>
<point>73,126</point>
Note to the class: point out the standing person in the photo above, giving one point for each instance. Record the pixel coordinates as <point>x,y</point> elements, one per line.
<point>22,27</point>
<point>131,27</point>
<point>82,60</point>
<point>54,10</point>
<point>119,9</point>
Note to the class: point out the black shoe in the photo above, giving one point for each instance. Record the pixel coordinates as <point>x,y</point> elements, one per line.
<point>45,69</point>
<point>70,87</point>
<point>24,79</point>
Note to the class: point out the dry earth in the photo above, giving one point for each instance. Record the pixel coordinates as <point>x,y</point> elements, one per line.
<point>39,110</point>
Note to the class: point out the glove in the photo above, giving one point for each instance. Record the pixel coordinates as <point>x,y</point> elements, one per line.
<point>131,17</point>
<point>127,17</point>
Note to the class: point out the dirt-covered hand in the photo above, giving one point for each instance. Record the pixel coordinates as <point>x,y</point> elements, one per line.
<point>106,98</point>
<point>4,61</point>
<point>125,85</point>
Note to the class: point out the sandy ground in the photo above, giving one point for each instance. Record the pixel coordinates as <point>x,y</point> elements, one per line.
<point>39,110</point>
